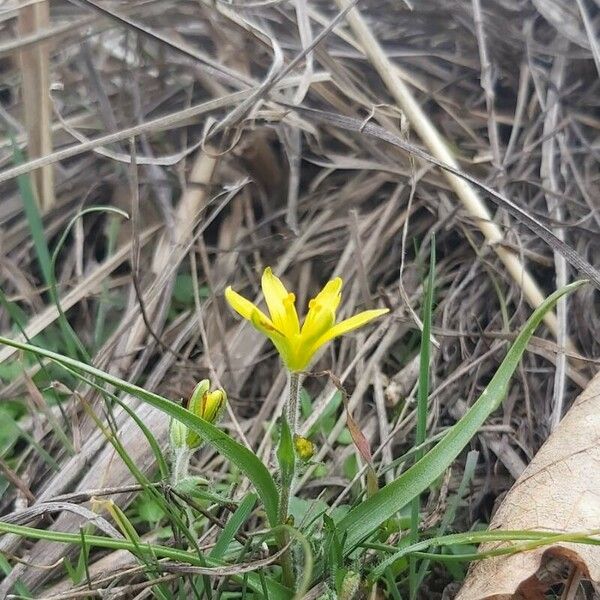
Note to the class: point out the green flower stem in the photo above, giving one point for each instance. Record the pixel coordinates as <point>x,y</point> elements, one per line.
<point>292,405</point>
<point>290,414</point>
<point>180,465</point>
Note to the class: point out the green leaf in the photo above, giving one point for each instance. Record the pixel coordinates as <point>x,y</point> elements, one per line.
<point>365,518</point>
<point>422,406</point>
<point>241,456</point>
<point>19,587</point>
<point>32,213</point>
<point>327,418</point>
<point>71,571</point>
<point>36,227</point>
<point>183,290</point>
<point>148,509</point>
<point>73,341</point>
<point>238,518</point>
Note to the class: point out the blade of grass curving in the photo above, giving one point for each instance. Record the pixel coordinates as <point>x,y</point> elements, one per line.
<point>104,298</point>
<point>84,556</point>
<point>14,311</point>
<point>32,213</point>
<point>275,590</point>
<point>392,585</point>
<point>238,518</point>
<point>19,587</point>
<point>241,456</point>
<point>163,467</point>
<point>113,439</point>
<point>66,326</point>
<point>36,227</point>
<point>364,519</point>
<point>422,402</point>
<point>148,558</point>
<point>537,538</point>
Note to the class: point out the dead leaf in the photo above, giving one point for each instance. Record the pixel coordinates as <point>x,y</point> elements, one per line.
<point>559,491</point>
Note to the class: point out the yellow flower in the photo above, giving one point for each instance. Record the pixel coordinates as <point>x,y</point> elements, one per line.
<point>297,345</point>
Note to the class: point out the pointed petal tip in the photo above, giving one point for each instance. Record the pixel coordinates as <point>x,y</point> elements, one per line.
<point>335,284</point>
<point>350,324</point>
<point>241,305</point>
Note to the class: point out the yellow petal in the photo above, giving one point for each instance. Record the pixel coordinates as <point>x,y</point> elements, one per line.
<point>241,305</point>
<point>298,355</point>
<point>281,303</point>
<point>350,324</point>
<point>282,343</point>
<point>212,405</point>
<point>292,326</point>
<point>262,323</point>
<point>321,311</point>
<point>331,294</point>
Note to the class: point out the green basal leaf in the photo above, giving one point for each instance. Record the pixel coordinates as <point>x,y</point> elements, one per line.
<point>365,518</point>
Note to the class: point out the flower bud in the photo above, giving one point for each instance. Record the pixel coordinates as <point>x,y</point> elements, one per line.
<point>305,449</point>
<point>204,404</point>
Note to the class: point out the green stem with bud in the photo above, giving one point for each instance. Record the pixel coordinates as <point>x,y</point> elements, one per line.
<point>180,465</point>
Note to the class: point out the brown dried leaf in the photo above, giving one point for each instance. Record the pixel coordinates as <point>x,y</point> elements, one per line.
<point>559,491</point>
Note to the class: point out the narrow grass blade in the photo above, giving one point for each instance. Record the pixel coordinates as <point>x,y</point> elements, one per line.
<point>19,587</point>
<point>541,538</point>
<point>422,400</point>
<point>32,214</point>
<point>364,519</point>
<point>238,518</point>
<point>73,339</point>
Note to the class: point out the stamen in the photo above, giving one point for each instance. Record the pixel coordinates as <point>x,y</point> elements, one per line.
<point>314,305</point>
<point>289,300</point>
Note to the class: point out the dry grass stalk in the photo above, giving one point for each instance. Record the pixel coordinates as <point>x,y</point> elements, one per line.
<point>438,147</point>
<point>35,70</point>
